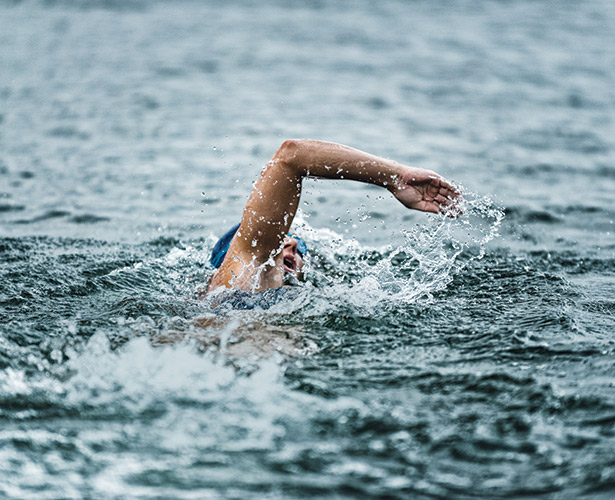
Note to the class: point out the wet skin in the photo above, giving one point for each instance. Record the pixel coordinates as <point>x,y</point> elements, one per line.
<point>292,261</point>
<point>254,260</point>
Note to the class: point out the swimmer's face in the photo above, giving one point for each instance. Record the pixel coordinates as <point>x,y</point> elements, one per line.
<point>293,263</point>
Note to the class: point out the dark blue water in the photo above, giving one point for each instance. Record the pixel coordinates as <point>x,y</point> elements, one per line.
<point>421,358</point>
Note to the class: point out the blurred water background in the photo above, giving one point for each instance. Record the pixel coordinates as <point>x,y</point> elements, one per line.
<point>422,358</point>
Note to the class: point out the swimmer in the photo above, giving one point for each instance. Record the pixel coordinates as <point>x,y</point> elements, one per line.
<point>255,255</point>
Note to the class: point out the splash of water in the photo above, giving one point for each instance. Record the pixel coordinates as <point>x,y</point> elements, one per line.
<point>425,263</point>
<point>342,271</point>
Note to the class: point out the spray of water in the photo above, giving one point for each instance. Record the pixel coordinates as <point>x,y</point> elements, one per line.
<point>346,272</point>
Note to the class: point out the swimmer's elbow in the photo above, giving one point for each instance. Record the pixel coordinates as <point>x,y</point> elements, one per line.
<point>289,152</point>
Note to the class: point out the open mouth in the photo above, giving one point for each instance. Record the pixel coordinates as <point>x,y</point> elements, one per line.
<point>290,265</point>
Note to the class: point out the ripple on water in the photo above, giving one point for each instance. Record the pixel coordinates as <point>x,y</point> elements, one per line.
<point>415,397</point>
<point>451,364</point>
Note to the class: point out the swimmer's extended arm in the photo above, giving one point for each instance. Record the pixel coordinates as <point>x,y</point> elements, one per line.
<point>273,203</point>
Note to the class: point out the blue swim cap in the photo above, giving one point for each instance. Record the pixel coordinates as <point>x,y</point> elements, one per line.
<point>220,249</point>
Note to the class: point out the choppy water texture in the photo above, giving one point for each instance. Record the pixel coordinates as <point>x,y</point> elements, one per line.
<point>422,358</point>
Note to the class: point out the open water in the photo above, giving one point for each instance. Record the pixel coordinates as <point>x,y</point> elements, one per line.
<point>422,358</point>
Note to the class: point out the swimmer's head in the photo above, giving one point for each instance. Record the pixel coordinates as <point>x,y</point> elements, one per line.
<point>293,252</point>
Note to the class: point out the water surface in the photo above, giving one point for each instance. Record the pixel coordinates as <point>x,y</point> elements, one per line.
<point>422,357</point>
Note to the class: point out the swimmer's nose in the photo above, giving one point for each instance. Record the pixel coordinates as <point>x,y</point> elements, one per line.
<point>291,244</point>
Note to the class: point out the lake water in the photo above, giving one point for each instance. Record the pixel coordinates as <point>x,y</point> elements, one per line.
<point>423,358</point>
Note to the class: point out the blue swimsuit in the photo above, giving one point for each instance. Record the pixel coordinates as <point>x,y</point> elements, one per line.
<point>241,300</point>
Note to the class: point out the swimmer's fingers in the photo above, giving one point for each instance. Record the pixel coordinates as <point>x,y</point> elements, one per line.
<point>448,198</point>
<point>426,191</point>
<point>450,206</point>
<point>445,188</point>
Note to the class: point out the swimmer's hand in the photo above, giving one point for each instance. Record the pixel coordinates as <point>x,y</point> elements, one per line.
<point>426,191</point>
